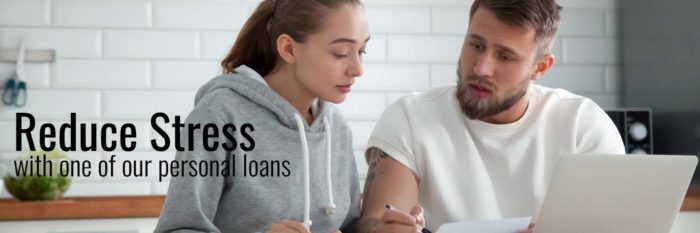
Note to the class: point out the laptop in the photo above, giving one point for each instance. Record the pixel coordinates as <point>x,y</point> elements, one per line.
<point>615,193</point>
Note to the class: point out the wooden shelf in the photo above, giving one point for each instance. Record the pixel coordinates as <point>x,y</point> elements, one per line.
<point>30,56</point>
<point>143,206</point>
<point>82,208</point>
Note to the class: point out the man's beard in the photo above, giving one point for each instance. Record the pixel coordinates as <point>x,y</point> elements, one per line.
<point>478,108</point>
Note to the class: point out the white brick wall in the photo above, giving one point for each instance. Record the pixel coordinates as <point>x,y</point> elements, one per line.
<point>424,48</point>
<point>215,45</point>
<point>404,19</point>
<point>102,13</point>
<point>198,15</point>
<point>25,12</point>
<point>450,19</point>
<point>150,44</point>
<point>35,73</point>
<point>68,42</point>
<point>122,60</point>
<point>90,74</point>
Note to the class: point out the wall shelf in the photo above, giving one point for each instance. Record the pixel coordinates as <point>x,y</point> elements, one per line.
<point>31,55</point>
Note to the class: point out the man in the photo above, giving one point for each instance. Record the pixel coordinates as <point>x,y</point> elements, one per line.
<point>485,148</point>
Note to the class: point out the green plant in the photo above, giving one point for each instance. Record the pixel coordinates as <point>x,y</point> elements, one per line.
<point>36,185</point>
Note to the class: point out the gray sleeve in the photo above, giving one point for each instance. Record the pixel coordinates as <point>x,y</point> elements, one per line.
<point>355,193</point>
<point>192,201</point>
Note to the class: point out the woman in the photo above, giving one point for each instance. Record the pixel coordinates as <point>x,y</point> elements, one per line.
<point>294,169</point>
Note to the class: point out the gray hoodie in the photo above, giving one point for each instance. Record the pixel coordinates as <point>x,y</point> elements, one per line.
<point>329,196</point>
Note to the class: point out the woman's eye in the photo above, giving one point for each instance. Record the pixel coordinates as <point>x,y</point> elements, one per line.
<point>362,52</point>
<point>337,55</point>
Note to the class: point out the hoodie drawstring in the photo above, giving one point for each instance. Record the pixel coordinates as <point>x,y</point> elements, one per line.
<point>330,208</point>
<point>305,152</point>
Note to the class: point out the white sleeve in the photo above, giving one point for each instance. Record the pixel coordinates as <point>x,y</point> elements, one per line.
<point>597,134</point>
<point>393,134</point>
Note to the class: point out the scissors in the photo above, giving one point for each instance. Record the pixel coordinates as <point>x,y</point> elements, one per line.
<point>15,93</point>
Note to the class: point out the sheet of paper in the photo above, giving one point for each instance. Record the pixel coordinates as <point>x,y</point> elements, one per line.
<point>511,225</point>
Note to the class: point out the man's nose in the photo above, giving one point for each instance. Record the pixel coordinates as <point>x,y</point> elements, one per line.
<point>484,66</point>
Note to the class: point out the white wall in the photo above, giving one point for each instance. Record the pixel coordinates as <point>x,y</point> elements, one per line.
<point>123,60</point>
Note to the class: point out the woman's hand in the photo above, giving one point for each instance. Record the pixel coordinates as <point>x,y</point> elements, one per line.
<point>286,226</point>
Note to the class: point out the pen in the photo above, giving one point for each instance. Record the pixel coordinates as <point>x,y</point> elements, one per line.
<point>424,230</point>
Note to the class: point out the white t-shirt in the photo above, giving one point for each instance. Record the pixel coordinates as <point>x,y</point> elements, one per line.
<point>473,170</point>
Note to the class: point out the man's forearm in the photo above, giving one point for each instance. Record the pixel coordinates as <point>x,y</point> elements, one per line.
<point>368,224</point>
<point>388,183</point>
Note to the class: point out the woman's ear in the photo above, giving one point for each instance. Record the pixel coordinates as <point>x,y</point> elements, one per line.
<point>543,65</point>
<point>285,48</point>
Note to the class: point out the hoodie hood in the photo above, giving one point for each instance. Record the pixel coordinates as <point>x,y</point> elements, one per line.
<point>250,88</point>
<point>248,83</point>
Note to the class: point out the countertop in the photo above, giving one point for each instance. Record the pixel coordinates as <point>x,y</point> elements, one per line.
<point>82,208</point>
<point>143,206</point>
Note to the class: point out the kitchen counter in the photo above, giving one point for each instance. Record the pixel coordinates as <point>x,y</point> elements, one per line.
<point>143,206</point>
<point>692,199</point>
<point>82,208</point>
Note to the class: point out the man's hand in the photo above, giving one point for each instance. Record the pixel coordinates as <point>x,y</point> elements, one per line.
<point>286,226</point>
<point>415,215</point>
<point>529,229</point>
<point>396,221</point>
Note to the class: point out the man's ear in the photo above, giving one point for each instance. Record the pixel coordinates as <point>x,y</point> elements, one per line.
<point>285,47</point>
<point>544,63</point>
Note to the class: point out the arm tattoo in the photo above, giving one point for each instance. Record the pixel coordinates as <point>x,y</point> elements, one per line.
<point>374,156</point>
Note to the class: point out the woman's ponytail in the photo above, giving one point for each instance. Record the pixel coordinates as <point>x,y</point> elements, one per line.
<point>254,45</point>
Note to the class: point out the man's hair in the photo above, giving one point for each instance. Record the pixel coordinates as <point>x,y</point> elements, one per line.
<point>541,15</point>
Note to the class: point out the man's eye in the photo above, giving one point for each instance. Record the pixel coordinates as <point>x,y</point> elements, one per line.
<point>505,57</point>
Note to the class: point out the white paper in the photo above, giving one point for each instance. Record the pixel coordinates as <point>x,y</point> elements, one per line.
<point>511,225</point>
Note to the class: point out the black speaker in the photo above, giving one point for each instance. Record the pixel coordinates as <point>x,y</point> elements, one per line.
<point>634,125</point>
